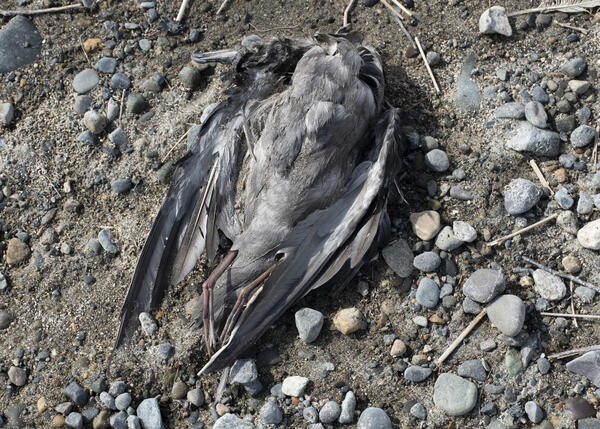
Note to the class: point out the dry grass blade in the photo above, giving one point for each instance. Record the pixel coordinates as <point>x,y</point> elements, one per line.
<point>565,6</point>
<point>40,11</point>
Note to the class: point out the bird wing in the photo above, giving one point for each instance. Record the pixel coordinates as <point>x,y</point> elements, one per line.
<point>324,244</point>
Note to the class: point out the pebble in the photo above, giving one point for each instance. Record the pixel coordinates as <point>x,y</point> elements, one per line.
<point>94,121</point>
<point>470,307</point>
<point>507,313</point>
<point>348,320</point>
<point>472,368</point>
<point>374,418</point>
<point>585,294</point>
<point>455,395</point>
<point>107,400</point>
<point>582,136</point>
<point>136,103</point>
<point>82,103</point>
<point>418,410</point>
<point>549,286</point>
<point>145,45</point>
<point>520,196</point>
<point>427,262</point>
<point>539,95</point>
<point>580,408</point>
<point>123,401</point>
<point>417,374</point>
<point>428,293</point>
<point>119,138</point>
<point>134,422</point>
<point>589,423</point>
<point>85,81</point>
<point>512,362</point>
<point>574,67</point>
<point>17,252</point>
<point>88,138</point>
<point>77,394</point>
<point>148,324</point>
<point>495,21</point>
<point>149,413</point>
<point>512,110</point>
<point>459,192</point>
<point>74,420</point>
<point>196,397</point>
<point>58,421</point>
<point>179,390</point>
<point>17,376</point>
<point>7,113</point>
<point>446,240</point>
<point>528,138</point>
<point>579,87</point>
<point>585,204</point>
<point>231,421</point>
<point>399,257</point>
<point>587,365</point>
<point>534,412</point>
<point>583,115</point>
<point>121,186</point>
<point>566,220</point>
<point>294,385</point>
<point>270,414</point>
<point>433,58</point>
<point>348,407</point>
<point>244,372</point>
<point>437,160</point>
<point>117,387</point>
<point>464,231</point>
<point>64,408</point>
<point>106,65</point>
<point>589,235</point>
<point>309,323</point>
<point>102,420</point>
<point>425,224</point>
<point>120,81</point>
<point>190,77</point>
<point>105,238</point>
<point>535,114</point>
<point>329,412</point>
<point>564,200</point>
<point>484,285</point>
<point>311,414</point>
<point>398,348</point>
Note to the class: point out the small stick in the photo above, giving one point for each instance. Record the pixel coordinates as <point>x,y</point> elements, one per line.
<point>461,337</point>
<point>406,33</point>
<point>84,53</point>
<point>402,8</point>
<point>182,8</point>
<point>522,230</point>
<point>571,27</point>
<point>573,352</point>
<point>348,11</point>
<point>595,152</point>
<point>575,316</point>
<point>437,88</point>
<point>389,6</point>
<point>39,11</point>
<point>223,6</point>
<point>573,304</point>
<point>559,274</point>
<point>121,106</point>
<point>175,145</point>
<point>540,176</point>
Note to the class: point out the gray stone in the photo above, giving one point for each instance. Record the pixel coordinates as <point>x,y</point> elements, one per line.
<point>543,365</point>
<point>539,95</point>
<point>566,219</point>
<point>512,110</point>
<point>134,422</point>
<point>437,160</point>
<point>417,374</point>
<point>472,368</point>
<point>399,257</point>
<point>17,376</point>
<point>195,397</point>
<point>119,138</point>
<point>95,122</point>
<point>428,293</point>
<point>574,67</point>
<point>507,313</point>
<point>460,192</point>
<point>582,136</point>
<point>148,324</point>
<point>585,204</point>
<point>484,285</point>
<point>117,387</point>
<point>583,115</point>
<point>77,394</point>
<point>118,420</point>
<point>427,262</point>
<point>120,81</point>
<point>74,420</point>
<point>88,138</point>
<point>309,323</point>
<point>528,138</point>
<point>464,231</point>
<point>587,365</point>
<point>85,81</point>
<point>589,235</point>
<point>468,96</point>
<point>7,113</point>
<point>270,414</point>
<point>585,294</point>
<point>244,372</point>
<point>231,421</point>
<point>190,77</point>
<point>105,238</point>
<point>495,21</point>
<point>446,240</point>
<point>433,58</point>
<point>106,65</point>
<point>549,286</point>
<point>136,103</point>
<point>453,394</point>
<point>107,400</point>
<point>294,385</point>
<point>121,186</point>
<point>374,418</point>
<point>123,401</point>
<point>5,319</point>
<point>82,103</point>
<point>470,307</point>
<point>20,44</point>
<point>579,87</point>
<point>348,407</point>
<point>329,412</point>
<point>311,414</point>
<point>534,412</point>
<point>149,413</point>
<point>535,114</point>
<point>520,196</point>
<point>418,410</point>
<point>145,45</point>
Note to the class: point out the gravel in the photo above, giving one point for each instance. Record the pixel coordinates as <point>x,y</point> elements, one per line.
<point>549,286</point>
<point>507,313</point>
<point>309,323</point>
<point>195,397</point>
<point>582,136</point>
<point>425,225</point>
<point>484,285</point>
<point>149,413</point>
<point>418,410</point>
<point>190,77</point>
<point>520,196</point>
<point>123,401</point>
<point>454,395</point>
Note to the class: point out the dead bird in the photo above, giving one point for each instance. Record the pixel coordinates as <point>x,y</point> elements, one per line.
<point>294,169</point>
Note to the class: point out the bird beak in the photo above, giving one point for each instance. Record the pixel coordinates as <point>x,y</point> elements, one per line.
<point>224,56</point>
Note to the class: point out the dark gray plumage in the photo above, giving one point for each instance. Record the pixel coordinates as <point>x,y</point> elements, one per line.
<point>293,168</point>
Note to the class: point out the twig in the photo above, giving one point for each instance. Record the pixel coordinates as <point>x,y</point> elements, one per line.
<point>406,33</point>
<point>121,106</point>
<point>573,304</point>
<point>39,11</point>
<point>84,53</point>
<point>392,9</point>
<point>540,176</point>
<point>437,88</point>
<point>223,6</point>
<point>559,274</point>
<point>522,230</point>
<point>595,152</point>
<point>175,145</point>
<point>576,316</point>
<point>348,11</point>
<point>571,27</point>
<point>545,9</point>
<point>461,337</point>
<point>573,352</point>
<point>402,8</point>
<point>182,8</point>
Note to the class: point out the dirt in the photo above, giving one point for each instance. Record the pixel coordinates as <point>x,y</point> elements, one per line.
<point>52,302</point>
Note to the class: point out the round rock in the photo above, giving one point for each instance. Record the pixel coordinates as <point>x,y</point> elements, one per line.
<point>428,293</point>
<point>427,262</point>
<point>582,136</point>
<point>484,285</point>
<point>329,412</point>
<point>455,395</point>
<point>549,286</point>
<point>85,81</point>
<point>437,160</point>
<point>495,21</point>
<point>374,418</point>
<point>464,231</point>
<point>507,313</point>
<point>309,323</point>
<point>294,385</point>
<point>149,413</point>
<point>535,114</point>
<point>270,414</point>
<point>446,240</point>
<point>574,67</point>
<point>589,235</point>
<point>348,320</point>
<point>520,196</point>
<point>425,224</point>
<point>231,421</point>
<point>416,373</point>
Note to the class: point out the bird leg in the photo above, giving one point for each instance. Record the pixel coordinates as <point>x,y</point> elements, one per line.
<point>241,299</point>
<point>207,289</point>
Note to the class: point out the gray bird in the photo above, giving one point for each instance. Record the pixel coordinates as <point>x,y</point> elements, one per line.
<point>294,169</point>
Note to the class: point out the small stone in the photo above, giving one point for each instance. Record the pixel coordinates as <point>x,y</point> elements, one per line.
<point>121,186</point>
<point>148,323</point>
<point>123,401</point>
<point>58,421</point>
<point>534,412</point>
<point>133,422</point>
<point>428,293</point>
<point>16,252</point>
<point>535,114</point>
<point>495,21</point>
<point>566,220</point>
<point>455,395</point>
<point>196,397</point>
<point>348,320</point>
<point>446,240</point>
<point>425,224</point>
<point>329,412</point>
<point>418,410</point>
<point>520,196</point>
<point>136,103</point>
<point>374,418</point>
<point>64,408</point>
<point>437,160</point>
<point>145,45</point>
<point>105,238</point>
<point>579,87</point>
<point>549,286</point>
<point>119,138</point>
<point>244,372</point>
<point>77,394</point>
<point>95,122</point>
<point>507,313</point>
<point>149,413</point>
<point>107,400</point>
<point>294,386</point>
<point>311,414</point>
<point>538,94</point>
<point>580,408</point>
<point>74,420</point>
<point>231,421</point>
<point>179,390</point>
<point>87,137</point>
<point>464,231</point>
<point>398,348</point>
<point>82,103</point>
<point>399,257</point>
<point>309,323</point>
<point>433,58</point>
<point>589,235</point>
<point>42,405</point>
<point>585,204</point>
<point>270,414</point>
<point>571,264</point>
<point>574,67</point>
<point>427,262</point>
<point>512,362</point>
<point>7,113</point>
<point>484,285</point>
<point>471,307</point>
<point>106,65</point>
<point>85,81</point>
<point>472,368</point>
<point>513,110</point>
<point>460,192</point>
<point>417,374</point>
<point>17,376</point>
<point>582,136</point>
<point>348,407</point>
<point>585,294</point>
<point>528,138</point>
<point>587,365</point>
<point>102,420</point>
<point>190,77</point>
<point>120,81</point>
